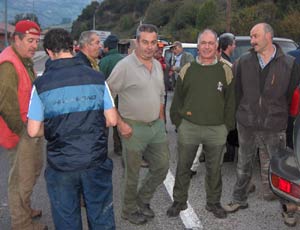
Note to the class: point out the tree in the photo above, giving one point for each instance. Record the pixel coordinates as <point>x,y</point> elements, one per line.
<point>289,26</point>
<point>246,18</point>
<point>207,14</point>
<point>159,13</point>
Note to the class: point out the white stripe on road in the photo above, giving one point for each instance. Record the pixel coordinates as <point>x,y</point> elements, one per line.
<point>188,216</point>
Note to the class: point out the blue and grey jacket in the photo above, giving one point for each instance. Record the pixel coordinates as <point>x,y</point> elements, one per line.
<point>74,123</point>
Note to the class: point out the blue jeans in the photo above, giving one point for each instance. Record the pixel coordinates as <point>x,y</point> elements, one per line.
<point>64,189</point>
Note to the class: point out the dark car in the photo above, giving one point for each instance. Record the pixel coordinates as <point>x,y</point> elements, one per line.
<point>284,171</point>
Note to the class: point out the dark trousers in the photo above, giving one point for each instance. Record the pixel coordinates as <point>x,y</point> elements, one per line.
<point>268,144</point>
<point>213,139</point>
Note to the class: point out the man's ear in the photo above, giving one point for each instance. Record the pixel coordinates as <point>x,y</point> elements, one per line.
<point>50,54</point>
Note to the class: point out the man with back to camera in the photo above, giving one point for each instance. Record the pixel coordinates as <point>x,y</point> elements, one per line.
<point>138,81</point>
<point>227,45</point>
<point>199,121</point>
<point>25,153</point>
<point>71,104</point>
<point>226,48</point>
<point>265,82</point>
<point>89,48</point>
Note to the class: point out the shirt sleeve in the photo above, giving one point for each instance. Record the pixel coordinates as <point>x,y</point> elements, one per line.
<point>108,99</point>
<point>9,106</point>
<point>116,79</point>
<point>36,107</point>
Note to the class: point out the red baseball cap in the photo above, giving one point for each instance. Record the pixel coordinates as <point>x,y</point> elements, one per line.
<point>24,27</point>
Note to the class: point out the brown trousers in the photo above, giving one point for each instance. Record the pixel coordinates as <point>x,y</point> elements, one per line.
<point>26,162</point>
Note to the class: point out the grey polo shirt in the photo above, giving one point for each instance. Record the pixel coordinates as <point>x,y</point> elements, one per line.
<point>140,91</point>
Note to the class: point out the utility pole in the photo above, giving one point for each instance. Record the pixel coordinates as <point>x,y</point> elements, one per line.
<point>228,15</point>
<point>94,16</point>
<point>94,20</point>
<point>32,16</point>
<point>5,22</point>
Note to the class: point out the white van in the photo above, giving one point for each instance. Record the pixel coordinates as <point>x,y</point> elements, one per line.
<point>187,47</point>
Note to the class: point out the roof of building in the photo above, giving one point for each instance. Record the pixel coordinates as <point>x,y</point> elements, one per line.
<point>10,28</point>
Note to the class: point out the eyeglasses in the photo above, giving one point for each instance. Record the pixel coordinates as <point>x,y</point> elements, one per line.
<point>203,43</point>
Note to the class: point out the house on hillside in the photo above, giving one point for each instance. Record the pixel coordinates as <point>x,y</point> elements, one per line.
<point>10,30</point>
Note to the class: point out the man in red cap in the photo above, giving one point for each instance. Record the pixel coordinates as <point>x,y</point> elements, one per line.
<point>25,153</point>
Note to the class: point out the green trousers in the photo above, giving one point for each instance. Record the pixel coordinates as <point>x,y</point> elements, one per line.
<point>148,140</point>
<point>213,139</point>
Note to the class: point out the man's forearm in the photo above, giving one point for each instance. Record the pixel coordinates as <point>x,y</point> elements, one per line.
<point>162,112</point>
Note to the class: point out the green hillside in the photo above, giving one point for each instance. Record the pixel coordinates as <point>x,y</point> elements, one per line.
<point>183,19</point>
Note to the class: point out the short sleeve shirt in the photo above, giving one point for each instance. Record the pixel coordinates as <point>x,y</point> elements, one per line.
<point>36,107</point>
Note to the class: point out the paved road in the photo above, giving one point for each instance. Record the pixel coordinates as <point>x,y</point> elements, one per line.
<point>259,215</point>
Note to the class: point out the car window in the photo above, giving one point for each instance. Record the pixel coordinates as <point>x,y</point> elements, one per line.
<point>286,46</point>
<point>193,51</point>
<point>242,46</point>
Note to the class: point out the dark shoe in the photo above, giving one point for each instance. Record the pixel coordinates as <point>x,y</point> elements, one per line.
<point>146,210</point>
<point>135,218</point>
<point>251,188</point>
<point>270,196</point>
<point>36,213</point>
<point>193,173</point>
<point>176,208</point>
<point>289,218</point>
<point>217,210</point>
<point>233,207</point>
<point>38,226</point>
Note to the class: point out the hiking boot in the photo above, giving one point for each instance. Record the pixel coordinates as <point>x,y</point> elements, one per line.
<point>176,208</point>
<point>146,210</point>
<point>289,218</point>
<point>217,210</point>
<point>135,218</point>
<point>36,213</point>
<point>234,206</point>
<point>39,226</point>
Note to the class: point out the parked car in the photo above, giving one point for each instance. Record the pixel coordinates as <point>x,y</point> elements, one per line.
<point>284,171</point>
<point>242,46</point>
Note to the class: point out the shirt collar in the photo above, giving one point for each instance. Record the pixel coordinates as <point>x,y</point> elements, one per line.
<point>261,61</point>
<point>199,61</point>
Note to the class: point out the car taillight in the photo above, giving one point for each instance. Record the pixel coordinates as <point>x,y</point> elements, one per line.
<point>285,186</point>
<point>295,102</point>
